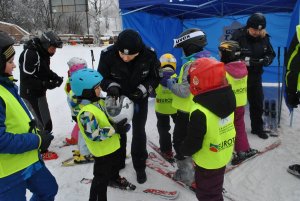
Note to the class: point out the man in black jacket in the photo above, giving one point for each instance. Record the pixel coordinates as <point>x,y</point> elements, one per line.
<point>130,68</point>
<point>36,78</point>
<point>256,51</point>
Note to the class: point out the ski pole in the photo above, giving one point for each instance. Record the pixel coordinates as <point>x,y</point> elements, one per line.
<point>278,77</point>
<point>93,58</point>
<point>282,85</point>
<point>291,118</point>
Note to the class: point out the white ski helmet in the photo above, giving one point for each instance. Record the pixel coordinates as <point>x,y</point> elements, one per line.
<point>119,109</point>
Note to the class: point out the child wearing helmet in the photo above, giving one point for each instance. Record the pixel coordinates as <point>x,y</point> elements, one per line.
<point>236,74</point>
<point>210,134</point>
<point>163,106</point>
<point>192,41</point>
<point>20,145</point>
<point>101,136</point>
<point>75,64</point>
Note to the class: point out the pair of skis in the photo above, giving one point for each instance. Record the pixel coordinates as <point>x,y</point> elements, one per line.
<point>158,193</point>
<point>270,117</point>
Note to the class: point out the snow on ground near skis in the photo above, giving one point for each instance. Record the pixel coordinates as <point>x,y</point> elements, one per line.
<point>262,179</point>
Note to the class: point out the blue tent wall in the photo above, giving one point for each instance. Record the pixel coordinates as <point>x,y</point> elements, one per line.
<point>157,32</point>
<point>277,27</point>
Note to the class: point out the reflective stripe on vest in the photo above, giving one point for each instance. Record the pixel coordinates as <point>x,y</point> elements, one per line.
<point>239,88</point>
<point>99,148</point>
<point>183,104</point>
<point>16,122</point>
<point>218,142</point>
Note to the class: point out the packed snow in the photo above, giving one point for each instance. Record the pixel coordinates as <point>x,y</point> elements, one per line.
<point>263,178</point>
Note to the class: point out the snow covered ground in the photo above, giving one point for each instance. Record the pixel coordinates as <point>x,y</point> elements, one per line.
<point>262,179</point>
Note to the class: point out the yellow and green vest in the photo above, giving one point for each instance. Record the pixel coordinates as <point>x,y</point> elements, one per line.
<point>183,104</point>
<point>99,148</point>
<point>239,88</point>
<point>218,142</point>
<point>163,100</point>
<point>16,122</point>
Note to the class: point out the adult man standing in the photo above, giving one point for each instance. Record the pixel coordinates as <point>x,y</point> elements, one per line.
<point>36,78</point>
<point>130,68</point>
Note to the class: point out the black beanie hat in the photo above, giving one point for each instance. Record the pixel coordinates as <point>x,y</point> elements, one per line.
<point>257,21</point>
<point>129,42</point>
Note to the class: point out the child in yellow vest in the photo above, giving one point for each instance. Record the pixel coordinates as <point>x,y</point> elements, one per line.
<point>236,74</point>
<point>211,134</point>
<point>101,136</point>
<point>163,106</point>
<point>21,165</point>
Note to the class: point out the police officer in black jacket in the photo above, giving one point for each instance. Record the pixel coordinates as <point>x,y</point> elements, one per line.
<point>130,68</point>
<point>36,78</point>
<point>256,51</point>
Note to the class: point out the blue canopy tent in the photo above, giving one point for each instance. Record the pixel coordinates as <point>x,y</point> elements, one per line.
<point>160,21</point>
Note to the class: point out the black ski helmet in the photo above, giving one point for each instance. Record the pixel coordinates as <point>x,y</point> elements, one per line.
<point>230,51</point>
<point>129,42</point>
<point>50,39</point>
<point>6,50</point>
<point>191,41</point>
<point>256,21</point>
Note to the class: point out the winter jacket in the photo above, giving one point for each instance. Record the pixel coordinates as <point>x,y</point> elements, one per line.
<point>259,50</point>
<point>143,69</point>
<point>16,144</point>
<point>293,66</point>
<point>34,64</point>
<point>221,102</point>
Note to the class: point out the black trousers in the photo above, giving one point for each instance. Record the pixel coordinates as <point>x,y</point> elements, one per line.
<point>38,107</point>
<point>255,99</point>
<point>180,131</point>
<point>138,145</point>
<point>163,127</point>
<point>105,168</point>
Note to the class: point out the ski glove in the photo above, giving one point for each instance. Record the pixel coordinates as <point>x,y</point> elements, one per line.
<point>113,91</point>
<point>122,127</point>
<point>46,138</point>
<point>166,76</point>
<point>138,94</point>
<point>292,99</point>
<point>49,84</point>
<point>171,82</point>
<point>58,81</point>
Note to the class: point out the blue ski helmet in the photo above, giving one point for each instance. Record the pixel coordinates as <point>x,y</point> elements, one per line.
<point>84,81</point>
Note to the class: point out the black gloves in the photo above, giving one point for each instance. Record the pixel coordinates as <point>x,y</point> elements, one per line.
<point>58,81</point>
<point>266,61</point>
<point>113,91</point>
<point>122,127</point>
<point>138,94</point>
<point>49,84</point>
<point>292,99</point>
<point>46,138</point>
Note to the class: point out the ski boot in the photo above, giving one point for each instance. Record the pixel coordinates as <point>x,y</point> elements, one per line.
<point>168,156</point>
<point>49,155</point>
<point>122,183</point>
<point>185,172</point>
<point>241,156</point>
<point>294,169</point>
<point>80,159</point>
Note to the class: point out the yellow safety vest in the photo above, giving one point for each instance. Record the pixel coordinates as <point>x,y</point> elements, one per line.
<point>163,100</point>
<point>99,148</point>
<point>183,104</point>
<point>16,122</point>
<point>239,87</point>
<point>218,142</point>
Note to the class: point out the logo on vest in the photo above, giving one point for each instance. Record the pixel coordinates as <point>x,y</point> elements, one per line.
<point>223,145</point>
